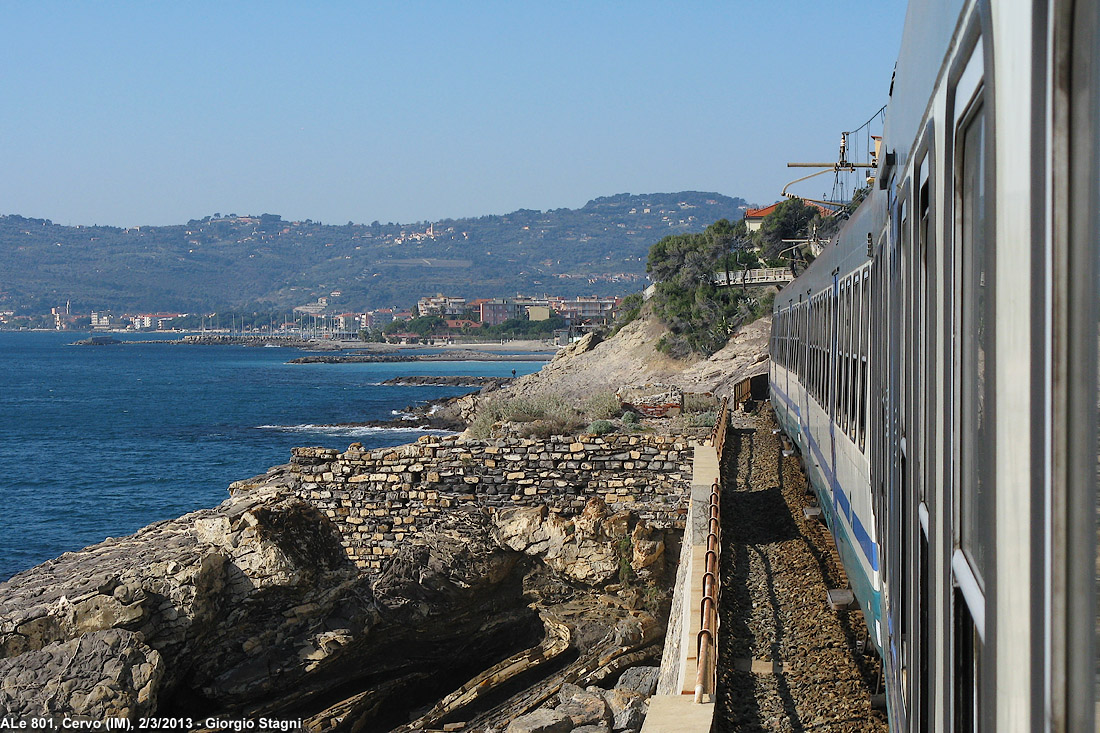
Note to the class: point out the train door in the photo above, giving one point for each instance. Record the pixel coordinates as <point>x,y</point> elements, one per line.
<point>894,578</point>
<point>784,358</point>
<point>803,364</point>
<point>974,400</point>
<point>923,397</point>
<point>901,552</point>
<point>833,374</point>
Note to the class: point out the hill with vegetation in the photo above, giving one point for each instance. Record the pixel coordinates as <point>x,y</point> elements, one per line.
<point>264,262</point>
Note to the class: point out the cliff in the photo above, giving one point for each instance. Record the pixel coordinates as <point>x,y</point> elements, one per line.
<point>631,358</point>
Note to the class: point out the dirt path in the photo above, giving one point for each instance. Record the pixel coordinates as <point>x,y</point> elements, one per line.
<point>788,662</point>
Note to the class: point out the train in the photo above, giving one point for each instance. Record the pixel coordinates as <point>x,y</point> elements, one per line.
<point>936,366</point>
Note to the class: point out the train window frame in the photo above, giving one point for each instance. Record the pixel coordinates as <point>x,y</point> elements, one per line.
<point>975,406</point>
<point>865,356</point>
<point>811,348</point>
<point>821,331</point>
<point>830,398</point>
<point>849,299</point>
<point>857,354</point>
<point>922,227</point>
<point>847,353</point>
<point>967,104</point>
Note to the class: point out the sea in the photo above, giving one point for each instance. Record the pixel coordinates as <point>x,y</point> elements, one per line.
<point>99,441</point>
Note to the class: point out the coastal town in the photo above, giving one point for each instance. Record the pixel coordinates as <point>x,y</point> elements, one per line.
<point>434,314</point>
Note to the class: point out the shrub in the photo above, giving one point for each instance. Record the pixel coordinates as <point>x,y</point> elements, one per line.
<point>602,406</point>
<point>626,554</point>
<point>541,415</point>
<point>702,419</point>
<point>488,414</point>
<point>552,426</point>
<point>629,310</point>
<point>601,427</point>
<point>630,418</point>
<point>700,402</point>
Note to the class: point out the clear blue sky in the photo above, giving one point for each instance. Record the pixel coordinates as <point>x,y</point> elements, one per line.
<point>156,112</point>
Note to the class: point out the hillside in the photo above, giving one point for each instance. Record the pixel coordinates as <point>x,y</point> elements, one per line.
<point>631,358</point>
<point>263,262</point>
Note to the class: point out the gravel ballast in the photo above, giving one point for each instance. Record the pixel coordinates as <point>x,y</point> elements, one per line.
<point>787,661</point>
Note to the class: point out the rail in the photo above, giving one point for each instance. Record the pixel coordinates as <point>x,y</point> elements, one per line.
<point>706,652</point>
<point>759,276</point>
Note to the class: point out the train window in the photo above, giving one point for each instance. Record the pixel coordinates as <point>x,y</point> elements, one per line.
<point>831,376</point>
<point>783,339</point>
<point>968,667</point>
<point>842,357</point>
<point>822,331</point>
<point>779,338</point>
<point>857,329</point>
<point>822,345</point>
<point>819,338</point>
<point>815,316</point>
<point>811,348</point>
<point>925,324</point>
<point>802,313</point>
<point>798,341</point>
<point>976,345</point>
<point>865,353</point>
<point>786,338</point>
<point>849,386</point>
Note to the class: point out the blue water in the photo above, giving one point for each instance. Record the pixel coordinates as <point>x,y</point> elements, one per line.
<point>100,441</point>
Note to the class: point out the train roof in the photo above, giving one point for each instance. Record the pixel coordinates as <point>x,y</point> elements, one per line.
<point>930,28</point>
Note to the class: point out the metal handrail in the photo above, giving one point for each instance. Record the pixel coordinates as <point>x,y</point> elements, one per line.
<point>706,677</point>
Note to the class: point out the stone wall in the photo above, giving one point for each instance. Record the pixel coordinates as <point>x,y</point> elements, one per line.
<point>379,498</point>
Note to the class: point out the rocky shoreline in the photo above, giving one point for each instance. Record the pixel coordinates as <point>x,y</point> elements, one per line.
<point>254,609</point>
<point>512,585</point>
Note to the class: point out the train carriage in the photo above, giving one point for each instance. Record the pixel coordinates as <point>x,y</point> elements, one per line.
<point>937,368</point>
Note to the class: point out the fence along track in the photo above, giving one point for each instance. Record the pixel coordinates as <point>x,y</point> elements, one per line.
<point>706,678</point>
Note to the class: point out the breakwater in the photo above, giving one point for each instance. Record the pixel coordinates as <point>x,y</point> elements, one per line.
<point>462,355</point>
<point>446,381</point>
<point>380,499</point>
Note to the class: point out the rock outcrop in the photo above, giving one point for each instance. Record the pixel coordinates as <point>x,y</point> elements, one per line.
<point>99,675</point>
<point>254,609</point>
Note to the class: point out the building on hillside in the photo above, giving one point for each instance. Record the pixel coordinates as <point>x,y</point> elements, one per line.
<point>379,318</point>
<point>348,322</point>
<point>103,319</point>
<point>754,218</point>
<point>586,308</point>
<point>473,307</point>
<point>313,309</point>
<point>539,312</point>
<point>498,310</point>
<point>441,305</point>
<point>62,318</point>
<point>462,323</point>
<point>155,321</point>
<point>403,338</point>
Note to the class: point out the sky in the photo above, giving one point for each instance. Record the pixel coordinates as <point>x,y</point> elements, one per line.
<point>150,113</point>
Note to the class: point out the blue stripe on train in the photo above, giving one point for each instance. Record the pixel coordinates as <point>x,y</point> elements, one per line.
<point>862,536</point>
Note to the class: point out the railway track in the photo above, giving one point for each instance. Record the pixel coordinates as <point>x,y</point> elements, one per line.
<point>787,661</point>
